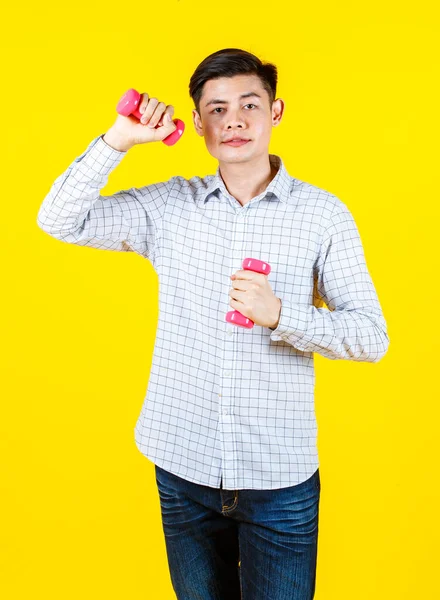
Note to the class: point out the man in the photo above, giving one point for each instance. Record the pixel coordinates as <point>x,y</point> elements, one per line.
<point>228,419</point>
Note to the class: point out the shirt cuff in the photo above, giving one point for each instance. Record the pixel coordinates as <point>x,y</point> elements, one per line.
<point>102,158</point>
<point>292,322</point>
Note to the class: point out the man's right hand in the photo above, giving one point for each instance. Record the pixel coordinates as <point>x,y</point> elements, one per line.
<point>126,132</point>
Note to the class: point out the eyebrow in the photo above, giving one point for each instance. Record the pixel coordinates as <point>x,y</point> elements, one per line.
<point>217,101</point>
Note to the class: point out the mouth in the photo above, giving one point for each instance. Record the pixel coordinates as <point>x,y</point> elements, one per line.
<point>236,142</point>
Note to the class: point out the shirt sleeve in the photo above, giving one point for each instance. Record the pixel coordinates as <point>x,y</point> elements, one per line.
<point>353,326</point>
<point>74,211</point>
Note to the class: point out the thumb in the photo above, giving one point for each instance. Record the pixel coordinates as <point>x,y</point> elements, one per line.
<point>168,126</point>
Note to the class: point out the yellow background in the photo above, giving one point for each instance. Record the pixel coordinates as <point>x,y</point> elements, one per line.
<point>80,514</point>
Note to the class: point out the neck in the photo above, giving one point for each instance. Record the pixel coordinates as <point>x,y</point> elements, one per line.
<point>246,180</point>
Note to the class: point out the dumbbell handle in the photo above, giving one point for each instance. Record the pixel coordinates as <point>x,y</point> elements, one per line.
<point>129,105</point>
<point>234,316</point>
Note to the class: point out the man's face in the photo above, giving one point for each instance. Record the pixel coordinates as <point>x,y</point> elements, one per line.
<point>250,117</point>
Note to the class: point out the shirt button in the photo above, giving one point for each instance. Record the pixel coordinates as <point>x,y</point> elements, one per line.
<point>225,411</point>
<point>227,373</point>
<point>230,332</point>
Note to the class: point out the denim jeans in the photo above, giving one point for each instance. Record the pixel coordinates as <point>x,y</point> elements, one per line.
<point>240,544</point>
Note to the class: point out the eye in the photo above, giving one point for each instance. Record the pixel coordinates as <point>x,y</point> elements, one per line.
<point>220,108</point>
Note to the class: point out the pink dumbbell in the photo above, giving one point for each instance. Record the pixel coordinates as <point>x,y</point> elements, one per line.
<point>128,105</point>
<point>234,316</point>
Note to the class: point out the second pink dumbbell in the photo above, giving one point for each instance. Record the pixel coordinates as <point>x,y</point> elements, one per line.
<point>128,105</point>
<point>234,316</point>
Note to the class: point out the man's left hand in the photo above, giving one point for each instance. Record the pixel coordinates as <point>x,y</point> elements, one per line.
<point>253,297</point>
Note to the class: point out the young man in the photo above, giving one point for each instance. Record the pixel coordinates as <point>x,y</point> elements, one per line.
<point>228,419</point>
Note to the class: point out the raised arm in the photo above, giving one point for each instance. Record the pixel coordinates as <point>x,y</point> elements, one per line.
<point>74,211</point>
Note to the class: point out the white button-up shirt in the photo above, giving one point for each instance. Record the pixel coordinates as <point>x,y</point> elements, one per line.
<point>222,401</point>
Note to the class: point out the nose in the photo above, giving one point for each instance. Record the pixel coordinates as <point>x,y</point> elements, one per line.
<point>235,119</point>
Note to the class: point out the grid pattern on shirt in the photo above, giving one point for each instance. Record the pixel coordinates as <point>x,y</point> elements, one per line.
<point>224,402</point>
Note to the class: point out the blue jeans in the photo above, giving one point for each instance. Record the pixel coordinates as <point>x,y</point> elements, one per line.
<point>240,544</point>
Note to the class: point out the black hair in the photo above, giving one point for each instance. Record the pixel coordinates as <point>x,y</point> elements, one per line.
<point>227,63</point>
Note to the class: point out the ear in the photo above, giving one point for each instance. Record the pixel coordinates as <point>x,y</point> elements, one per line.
<point>197,122</point>
<point>277,111</point>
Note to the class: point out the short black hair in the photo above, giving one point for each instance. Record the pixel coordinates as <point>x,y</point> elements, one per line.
<point>227,63</point>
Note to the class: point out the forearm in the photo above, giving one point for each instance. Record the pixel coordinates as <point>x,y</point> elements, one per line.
<point>112,139</point>
<point>359,335</point>
<point>277,316</point>
<point>74,192</point>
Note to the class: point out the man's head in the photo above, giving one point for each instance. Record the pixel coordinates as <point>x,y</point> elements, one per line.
<point>227,75</point>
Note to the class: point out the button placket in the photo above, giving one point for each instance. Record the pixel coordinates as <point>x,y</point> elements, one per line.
<point>226,409</point>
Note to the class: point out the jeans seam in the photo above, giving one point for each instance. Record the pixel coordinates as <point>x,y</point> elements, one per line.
<point>234,504</point>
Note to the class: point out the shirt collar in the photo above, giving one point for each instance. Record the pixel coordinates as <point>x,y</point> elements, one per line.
<point>279,188</point>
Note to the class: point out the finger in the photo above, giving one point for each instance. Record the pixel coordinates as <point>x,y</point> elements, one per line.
<point>237,294</point>
<point>143,102</point>
<point>151,107</point>
<point>169,111</point>
<point>154,120</point>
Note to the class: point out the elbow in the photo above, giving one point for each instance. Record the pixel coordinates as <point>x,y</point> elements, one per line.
<point>43,226</point>
<point>39,218</point>
<point>49,227</point>
<point>373,349</point>
<point>41,222</point>
<point>378,340</point>
<point>46,228</point>
<point>381,348</point>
